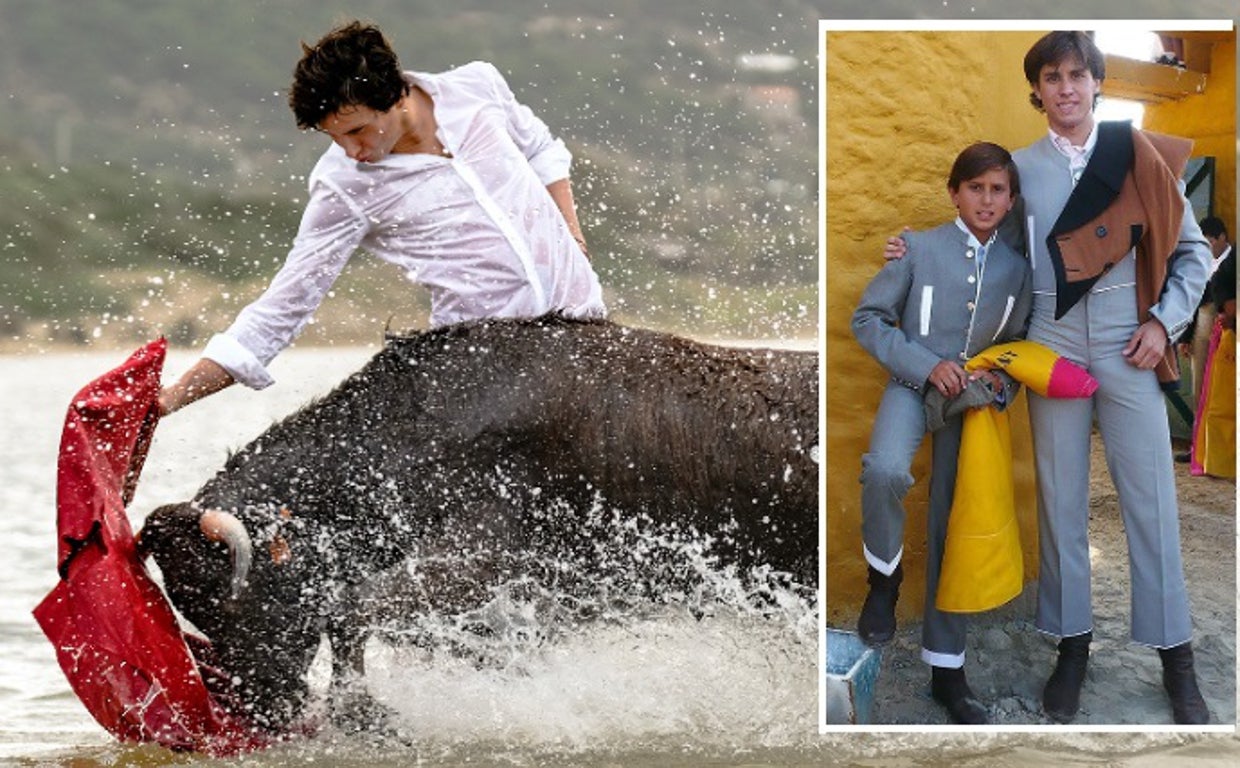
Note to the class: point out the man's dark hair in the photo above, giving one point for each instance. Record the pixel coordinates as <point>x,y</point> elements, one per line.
<point>350,66</point>
<point>1053,48</point>
<point>978,158</point>
<point>1213,226</point>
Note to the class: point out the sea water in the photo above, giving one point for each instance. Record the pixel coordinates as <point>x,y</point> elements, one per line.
<point>720,677</point>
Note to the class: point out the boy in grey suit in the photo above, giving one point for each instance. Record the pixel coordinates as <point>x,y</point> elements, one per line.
<point>959,290</point>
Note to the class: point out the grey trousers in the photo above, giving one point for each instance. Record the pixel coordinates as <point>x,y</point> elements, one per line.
<point>1132,419</point>
<point>899,427</point>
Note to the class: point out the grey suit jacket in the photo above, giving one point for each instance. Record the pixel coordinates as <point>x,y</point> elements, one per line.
<point>931,306</point>
<point>1044,170</point>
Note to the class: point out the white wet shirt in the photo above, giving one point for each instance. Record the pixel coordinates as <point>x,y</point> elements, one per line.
<point>478,229</point>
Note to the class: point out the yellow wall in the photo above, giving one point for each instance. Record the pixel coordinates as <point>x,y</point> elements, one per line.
<point>899,107</point>
<point>1210,120</point>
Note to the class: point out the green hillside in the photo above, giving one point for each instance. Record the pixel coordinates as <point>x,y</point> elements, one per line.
<point>161,175</point>
<point>153,175</point>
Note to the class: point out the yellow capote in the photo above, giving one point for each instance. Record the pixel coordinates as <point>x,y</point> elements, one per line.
<point>982,561</point>
<point>983,566</point>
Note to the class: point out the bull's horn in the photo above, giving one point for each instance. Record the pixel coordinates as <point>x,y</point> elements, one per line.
<point>226,528</point>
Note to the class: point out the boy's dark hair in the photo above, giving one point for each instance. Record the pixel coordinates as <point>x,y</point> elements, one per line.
<point>1213,226</point>
<point>350,66</point>
<point>1053,48</point>
<point>978,158</point>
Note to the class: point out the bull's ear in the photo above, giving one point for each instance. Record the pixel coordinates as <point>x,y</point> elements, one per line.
<point>225,528</point>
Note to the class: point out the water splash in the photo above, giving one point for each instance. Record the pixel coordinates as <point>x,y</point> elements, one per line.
<point>639,639</point>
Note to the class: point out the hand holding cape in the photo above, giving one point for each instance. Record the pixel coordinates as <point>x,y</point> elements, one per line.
<point>983,565</point>
<point>116,638</point>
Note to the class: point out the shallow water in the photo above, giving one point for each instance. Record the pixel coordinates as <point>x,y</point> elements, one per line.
<point>659,687</point>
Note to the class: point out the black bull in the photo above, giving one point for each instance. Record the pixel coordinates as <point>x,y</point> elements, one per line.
<point>448,441</point>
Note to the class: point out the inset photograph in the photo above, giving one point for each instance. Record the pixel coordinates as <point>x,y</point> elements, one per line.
<point>1030,375</point>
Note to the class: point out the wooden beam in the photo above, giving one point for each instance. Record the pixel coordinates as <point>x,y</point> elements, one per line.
<point>1148,82</point>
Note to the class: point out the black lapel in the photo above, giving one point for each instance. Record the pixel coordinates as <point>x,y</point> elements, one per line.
<point>1098,187</point>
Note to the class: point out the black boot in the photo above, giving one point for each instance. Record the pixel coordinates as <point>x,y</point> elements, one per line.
<point>877,624</point>
<point>949,688</point>
<point>1187,705</point>
<point>1061,699</point>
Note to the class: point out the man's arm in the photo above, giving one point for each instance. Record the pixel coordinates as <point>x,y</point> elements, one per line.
<point>562,193</point>
<point>1188,271</point>
<point>876,326</point>
<point>205,377</point>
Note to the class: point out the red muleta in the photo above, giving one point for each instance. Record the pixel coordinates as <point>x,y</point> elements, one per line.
<point>116,637</point>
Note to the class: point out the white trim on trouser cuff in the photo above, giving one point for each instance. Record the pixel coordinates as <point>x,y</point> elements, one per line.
<point>240,362</point>
<point>879,564</point>
<point>1060,635</point>
<point>949,660</point>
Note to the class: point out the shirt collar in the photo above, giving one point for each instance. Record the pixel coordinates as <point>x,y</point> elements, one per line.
<point>1065,145</point>
<point>972,238</point>
<point>1219,259</point>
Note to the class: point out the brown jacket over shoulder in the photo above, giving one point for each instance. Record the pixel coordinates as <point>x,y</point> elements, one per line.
<point>1128,197</point>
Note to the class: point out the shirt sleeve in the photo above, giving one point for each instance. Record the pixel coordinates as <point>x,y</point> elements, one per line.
<point>547,154</point>
<point>331,229</point>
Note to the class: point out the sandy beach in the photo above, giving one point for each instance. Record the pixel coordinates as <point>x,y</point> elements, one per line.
<point>1008,661</point>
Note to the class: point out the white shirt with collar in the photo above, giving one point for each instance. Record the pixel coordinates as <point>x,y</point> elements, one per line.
<point>1218,260</point>
<point>979,248</point>
<point>1078,156</point>
<point>478,228</point>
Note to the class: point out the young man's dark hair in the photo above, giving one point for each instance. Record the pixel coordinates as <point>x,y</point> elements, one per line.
<point>978,158</point>
<point>352,65</point>
<point>1056,47</point>
<point>1213,226</point>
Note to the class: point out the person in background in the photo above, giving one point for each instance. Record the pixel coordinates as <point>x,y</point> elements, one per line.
<point>958,290</point>
<point>445,175</point>
<point>1213,449</point>
<point>1194,342</point>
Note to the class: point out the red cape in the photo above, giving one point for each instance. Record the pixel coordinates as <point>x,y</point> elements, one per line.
<point>115,634</point>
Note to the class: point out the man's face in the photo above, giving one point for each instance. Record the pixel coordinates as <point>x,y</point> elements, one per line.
<point>1067,91</point>
<point>983,201</point>
<point>366,135</point>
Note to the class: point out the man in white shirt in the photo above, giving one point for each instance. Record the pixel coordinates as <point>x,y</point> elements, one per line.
<point>445,175</point>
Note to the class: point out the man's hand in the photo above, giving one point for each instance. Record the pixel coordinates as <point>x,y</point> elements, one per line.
<point>948,378</point>
<point>895,247</point>
<point>1147,345</point>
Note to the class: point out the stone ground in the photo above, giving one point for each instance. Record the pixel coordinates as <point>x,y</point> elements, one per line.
<point>1008,661</point>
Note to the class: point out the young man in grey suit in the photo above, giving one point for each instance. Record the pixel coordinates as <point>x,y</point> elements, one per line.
<point>959,290</point>
<point>1119,264</point>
